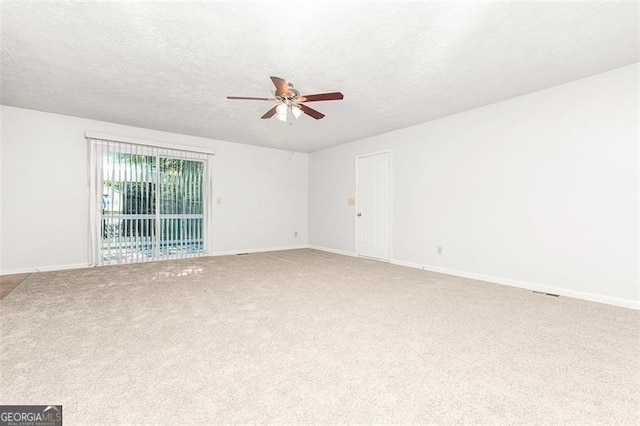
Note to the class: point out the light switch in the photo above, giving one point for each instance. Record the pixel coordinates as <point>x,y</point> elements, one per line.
<point>218,201</point>
<point>351,201</point>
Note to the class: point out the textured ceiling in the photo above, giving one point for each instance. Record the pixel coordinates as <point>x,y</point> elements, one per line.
<point>169,66</point>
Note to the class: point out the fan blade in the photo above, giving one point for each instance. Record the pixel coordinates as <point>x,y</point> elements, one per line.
<point>311,112</point>
<point>253,99</point>
<point>282,88</point>
<point>333,96</point>
<point>270,113</point>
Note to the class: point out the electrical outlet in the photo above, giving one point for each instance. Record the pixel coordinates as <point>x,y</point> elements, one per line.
<point>295,234</point>
<point>439,249</point>
<point>218,201</point>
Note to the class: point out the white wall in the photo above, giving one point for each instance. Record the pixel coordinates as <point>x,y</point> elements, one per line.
<point>539,191</point>
<point>45,190</point>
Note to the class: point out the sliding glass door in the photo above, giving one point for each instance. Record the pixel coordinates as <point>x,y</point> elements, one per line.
<point>151,203</point>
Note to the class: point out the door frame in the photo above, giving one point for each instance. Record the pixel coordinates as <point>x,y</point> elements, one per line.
<point>96,187</point>
<point>355,215</point>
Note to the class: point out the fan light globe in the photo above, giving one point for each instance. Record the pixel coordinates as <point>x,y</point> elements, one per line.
<point>296,111</point>
<point>281,112</point>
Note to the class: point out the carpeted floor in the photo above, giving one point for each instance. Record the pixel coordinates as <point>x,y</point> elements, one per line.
<point>9,282</point>
<point>304,336</point>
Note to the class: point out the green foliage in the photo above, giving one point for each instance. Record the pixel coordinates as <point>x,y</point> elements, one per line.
<point>179,189</point>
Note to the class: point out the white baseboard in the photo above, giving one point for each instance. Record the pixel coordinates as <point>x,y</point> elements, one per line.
<point>407,264</point>
<point>592,297</point>
<point>86,265</point>
<point>330,250</point>
<point>35,269</point>
<point>257,250</point>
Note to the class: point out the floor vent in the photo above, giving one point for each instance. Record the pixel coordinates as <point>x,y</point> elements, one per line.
<point>547,294</point>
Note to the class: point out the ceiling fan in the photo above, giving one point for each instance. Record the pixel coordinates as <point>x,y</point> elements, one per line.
<point>289,99</point>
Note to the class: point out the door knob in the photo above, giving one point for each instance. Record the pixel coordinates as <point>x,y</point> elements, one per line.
<point>359,214</point>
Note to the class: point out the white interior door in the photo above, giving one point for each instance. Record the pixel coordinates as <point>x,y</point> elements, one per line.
<point>374,205</point>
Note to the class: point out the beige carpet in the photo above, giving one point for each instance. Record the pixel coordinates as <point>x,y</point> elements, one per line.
<point>304,336</point>
<point>9,282</point>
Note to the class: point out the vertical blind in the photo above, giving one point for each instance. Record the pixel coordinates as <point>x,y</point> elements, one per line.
<point>147,203</point>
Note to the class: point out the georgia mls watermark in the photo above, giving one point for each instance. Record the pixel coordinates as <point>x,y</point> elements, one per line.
<point>30,415</point>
